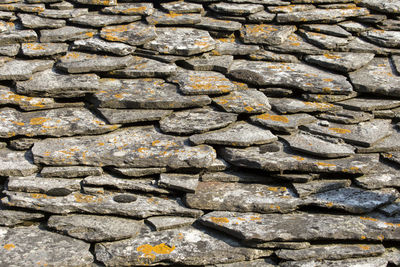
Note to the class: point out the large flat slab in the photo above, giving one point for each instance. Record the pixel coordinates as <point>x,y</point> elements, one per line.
<point>16,163</point>
<point>136,33</point>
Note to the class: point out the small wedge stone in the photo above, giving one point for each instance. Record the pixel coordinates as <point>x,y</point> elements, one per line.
<point>16,163</point>
<point>169,222</point>
<point>180,182</point>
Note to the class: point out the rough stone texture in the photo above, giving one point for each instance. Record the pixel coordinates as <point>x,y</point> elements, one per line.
<point>321,15</point>
<point>179,182</point>
<point>266,34</point>
<point>346,117</point>
<point>43,49</point>
<point>245,101</point>
<point>343,62</point>
<point>318,186</point>
<point>33,184</point>
<point>283,123</point>
<point>294,106</point>
<point>16,163</point>
<point>169,222</point>
<point>100,45</point>
<point>162,18</point>
<point>15,217</point>
<point>67,33</point>
<point>383,38</point>
<point>70,171</point>
<point>124,116</point>
<point>216,63</point>
<point>390,6</point>
<point>95,19</point>
<point>18,70</point>
<point>136,33</point>
<point>138,172</point>
<point>130,9</point>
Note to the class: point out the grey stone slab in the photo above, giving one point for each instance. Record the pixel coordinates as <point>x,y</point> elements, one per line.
<point>141,67</point>
<point>16,163</point>
<point>291,105</point>
<point>388,144</point>
<point>366,261</point>
<point>271,56</point>
<point>196,121</point>
<point>55,122</point>
<point>381,178</point>
<point>234,48</point>
<point>242,198</point>
<point>358,45</point>
<point>9,50</point>
<point>64,5</point>
<point>369,104</point>
<point>263,2</point>
<point>295,177</point>
<point>125,116</point>
<point>236,9</point>
<point>396,62</point>
<point>63,13</point>
<point>324,41</point>
<point>181,41</point>
<point>23,7</point>
<point>237,134</point>
<point>390,6</point>
<point>215,63</point>
<point>256,158</point>
<point>393,255</point>
<point>180,7</point>
<point>97,2</point>
<point>334,30</point>
<point>51,186</point>
<point>342,62</point>
<point>30,246</point>
<point>218,165</point>
<point>346,116</point>
<point>136,33</point>
<point>285,227</point>
<point>212,24</point>
<point>319,146</point>
<point>295,75</point>
<point>67,33</point>
<point>22,143</point>
<point>70,171</point>
<point>11,218</point>
<point>389,24</point>
<point>123,204</point>
<point>145,93</point>
<point>180,182</point>
<point>130,147</point>
<point>289,8</point>
<point>130,9</point>
<point>391,209</point>
<point>394,157</point>
<point>246,101</point>
<point>365,134</point>
<point>169,222</point>
<point>43,49</point>
<point>297,44</point>
<point>36,22</point>
<point>92,228</point>
<point>164,18</point>
<point>15,37</point>
<point>19,70</point>
<point>188,246</point>
<point>283,123</point>
<point>354,27</point>
<point>100,45</point>
<point>327,98</point>
<point>261,17</point>
<point>318,186</point>
<point>236,176</point>
<point>51,84</point>
<point>268,34</point>
<point>96,19</point>
<point>383,38</point>
<point>321,15</point>
<point>138,172</point>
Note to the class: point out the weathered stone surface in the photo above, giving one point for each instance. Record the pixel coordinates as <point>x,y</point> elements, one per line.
<point>291,105</point>
<point>237,134</point>
<point>55,122</point>
<point>285,227</point>
<point>383,38</point>
<point>343,62</point>
<point>181,41</point>
<point>319,146</point>
<point>261,17</point>
<point>283,123</point>
<point>196,121</point>
<point>213,24</point>
<point>9,50</point>
<point>36,22</point>
<point>324,41</point>
<point>130,147</point>
<point>100,45</point>
<point>270,56</point>
<point>63,13</point>
<point>334,30</point>
<point>188,246</point>
<point>43,49</point>
<point>256,158</point>
<point>16,163</point>
<point>67,33</point>
<point>396,62</point>
<point>289,8</point>
<point>321,15</point>
<point>15,217</point>
<point>180,7</point>
<point>145,93</point>
<point>346,116</point>
<point>318,186</point>
<point>124,116</point>
<point>247,101</point>
<point>216,63</point>
<point>368,261</point>
<point>331,252</point>
<point>130,9</point>
<point>363,134</point>
<point>70,171</point>
<point>163,18</point>
<point>180,182</point>
<point>123,204</point>
<point>23,69</point>
<point>242,197</point>
<point>51,84</point>
<point>169,222</point>
<point>390,6</point>
<point>15,37</point>
<point>136,33</point>
<point>43,247</point>
<point>297,44</point>
<point>138,172</point>
<point>395,157</point>
<point>388,144</point>
<point>141,67</point>
<point>266,33</point>
<point>141,185</point>
<point>234,47</point>
<point>236,9</point>
<point>376,180</point>
<point>369,104</point>
<point>33,184</point>
<point>352,199</point>
<point>97,2</point>
<point>391,209</point>
<point>235,176</point>
<point>96,19</point>
<point>92,228</point>
<point>327,98</point>
<point>295,75</point>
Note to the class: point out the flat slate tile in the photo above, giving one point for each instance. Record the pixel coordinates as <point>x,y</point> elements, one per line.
<point>136,33</point>
<point>266,33</point>
<point>100,45</point>
<point>16,163</point>
<point>244,101</point>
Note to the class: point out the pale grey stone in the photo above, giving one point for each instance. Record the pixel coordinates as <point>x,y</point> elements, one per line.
<point>383,177</point>
<point>327,98</point>
<point>213,24</point>
<point>130,9</point>
<point>180,182</point>
<point>389,6</point>
<point>9,50</point>
<point>261,17</point>
<point>67,33</point>
<point>290,8</point>
<point>215,63</point>
<point>245,101</point>
<point>138,172</point>
<point>346,116</point>
<point>16,163</point>
<point>100,45</point>
<point>12,218</point>
<point>236,9</point>
<point>23,69</point>
<point>96,19</point>
<point>64,5</point>
<point>297,44</point>
<point>266,33</point>
<point>43,49</point>
<point>353,26</point>
<point>181,7</point>
<point>169,222</point>
<point>358,45</point>
<point>63,13</point>
<point>321,15</point>
<point>383,38</point>
<point>16,37</point>
<point>318,186</point>
<point>325,41</point>
<point>362,262</point>
<point>36,22</point>
<point>51,186</point>
<point>70,171</point>
<point>271,56</point>
<point>291,105</point>
<point>282,123</point>
<point>97,2</point>
<point>334,30</point>
<point>369,104</point>
<point>342,62</point>
<point>163,18</point>
<point>125,116</point>
<point>236,176</point>
<point>136,33</point>
<point>234,48</point>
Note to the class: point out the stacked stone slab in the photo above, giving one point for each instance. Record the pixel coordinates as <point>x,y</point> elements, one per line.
<point>200,133</point>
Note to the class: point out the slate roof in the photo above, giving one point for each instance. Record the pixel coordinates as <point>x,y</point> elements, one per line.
<point>200,133</point>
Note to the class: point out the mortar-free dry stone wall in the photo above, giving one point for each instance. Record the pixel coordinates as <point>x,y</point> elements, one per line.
<point>230,133</point>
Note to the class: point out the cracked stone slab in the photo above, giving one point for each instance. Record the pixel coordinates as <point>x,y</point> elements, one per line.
<point>16,163</point>
<point>79,62</point>
<point>93,228</point>
<point>35,22</point>
<point>125,116</point>
<point>12,218</point>
<point>215,63</point>
<point>188,246</point>
<point>245,101</point>
<point>141,185</point>
<point>212,24</point>
<point>180,182</point>
<point>352,199</point>
<point>266,33</point>
<point>181,41</point>
<point>321,15</point>
<point>164,18</point>
<point>97,2</point>
<point>283,123</point>
<point>296,44</point>
<point>123,204</point>
<point>145,93</point>
<point>346,116</point>
<point>202,82</point>
<point>136,33</point>
<point>141,67</point>
<point>271,56</point>
<point>369,104</point>
<point>261,17</point>
<point>242,197</point>
<point>100,45</point>
<point>325,41</point>
<point>389,6</point>
<point>19,70</point>
<point>196,121</point>
<point>44,247</point>
<point>236,9</point>
<point>334,30</point>
<point>234,48</point>
<point>319,186</point>
<point>301,76</point>
<point>63,13</point>
<point>54,122</point>
<point>138,172</point>
<point>9,49</point>
<point>130,9</point>
<point>376,180</point>
<point>96,19</point>
<point>169,222</point>
<point>51,186</point>
<point>15,37</point>
<point>358,45</point>
<point>51,84</point>
<point>235,177</point>
<point>342,62</point>
<point>291,105</point>
<point>290,8</point>
<point>237,134</point>
<point>327,98</point>
<point>319,146</point>
<point>285,227</point>
<point>130,147</point>
<point>365,134</point>
<point>180,7</point>
<point>43,49</point>
<point>256,158</point>
<point>383,38</point>
<point>67,33</point>
<point>70,171</point>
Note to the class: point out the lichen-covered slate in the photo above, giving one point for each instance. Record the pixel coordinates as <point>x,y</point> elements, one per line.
<point>67,33</point>
<point>266,33</point>
<point>179,182</point>
<point>169,222</point>
<point>18,70</point>
<point>100,45</point>
<point>130,9</point>
<point>244,101</point>
<point>43,248</point>
<point>125,116</point>
<point>283,123</point>
<point>375,180</point>
<point>383,38</point>
<point>365,261</point>
<point>291,105</point>
<point>321,15</point>
<point>389,6</point>
<point>51,186</point>
<point>318,186</point>
<point>188,246</point>
<point>94,19</point>
<point>163,18</point>
<point>16,163</point>
<point>136,33</point>
<point>70,171</point>
<point>343,62</point>
<point>215,63</point>
<point>15,217</point>
<point>43,49</point>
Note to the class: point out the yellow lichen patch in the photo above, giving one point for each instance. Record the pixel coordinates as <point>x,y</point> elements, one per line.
<point>363,237</point>
<point>34,46</point>
<point>365,247</point>
<point>276,189</point>
<point>80,198</point>
<point>327,80</point>
<point>369,219</point>
<point>18,123</point>
<point>255,218</point>
<point>249,109</point>
<point>89,34</point>
<point>330,56</point>
<point>261,28</point>
<point>329,204</point>
<point>9,246</point>
<point>318,105</point>
<point>340,130</point>
<point>149,250</point>
<point>39,196</point>
<point>219,220</point>
<point>381,237</point>
<point>274,207</point>
<point>324,164</point>
<point>38,121</point>
<point>298,158</point>
<point>327,90</point>
<point>134,10</point>
<point>154,143</point>
<point>270,117</point>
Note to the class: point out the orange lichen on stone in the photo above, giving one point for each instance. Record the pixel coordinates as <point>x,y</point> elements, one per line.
<point>80,198</point>
<point>9,246</point>
<point>329,204</point>
<point>270,117</point>
<point>363,237</point>
<point>255,218</point>
<point>369,219</point>
<point>38,121</point>
<point>340,130</point>
<point>219,220</point>
<point>365,247</point>
<point>298,158</point>
<point>134,10</point>
<point>381,237</point>
<point>325,164</point>
<point>149,250</point>
<point>261,28</point>
<point>330,56</point>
